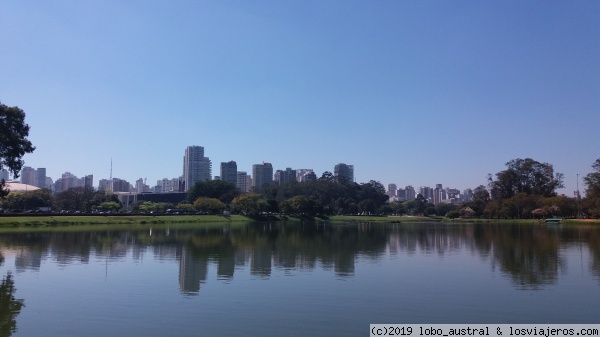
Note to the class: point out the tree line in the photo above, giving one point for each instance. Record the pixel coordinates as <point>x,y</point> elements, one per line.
<point>525,189</point>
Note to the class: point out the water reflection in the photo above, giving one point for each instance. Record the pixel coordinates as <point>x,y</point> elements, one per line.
<point>531,256</point>
<point>10,307</point>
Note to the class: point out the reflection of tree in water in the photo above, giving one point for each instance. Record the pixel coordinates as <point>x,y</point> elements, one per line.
<point>530,255</point>
<point>267,246</point>
<point>10,307</point>
<point>594,246</point>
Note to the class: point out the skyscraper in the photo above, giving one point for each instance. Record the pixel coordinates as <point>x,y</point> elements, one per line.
<point>28,176</point>
<point>242,182</point>
<point>229,172</point>
<point>196,167</point>
<point>343,172</point>
<point>40,174</point>
<point>391,191</point>
<point>282,177</point>
<point>262,174</point>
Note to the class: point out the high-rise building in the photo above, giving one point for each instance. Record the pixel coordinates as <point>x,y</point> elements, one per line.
<point>282,177</point>
<point>242,182</point>
<point>103,185</point>
<point>120,185</point>
<point>300,174</point>
<point>343,172</point>
<point>140,187</point>
<point>439,195</point>
<point>426,192</point>
<point>67,181</point>
<point>40,175</point>
<point>262,174</point>
<point>196,167</point>
<point>4,175</point>
<point>308,176</point>
<point>467,195</point>
<point>49,184</point>
<point>88,181</point>
<point>229,172</point>
<point>410,192</point>
<point>401,195</point>
<point>28,176</point>
<point>166,185</point>
<point>391,191</point>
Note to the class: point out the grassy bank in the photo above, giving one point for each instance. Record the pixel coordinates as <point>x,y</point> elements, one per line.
<point>100,222</point>
<point>87,220</point>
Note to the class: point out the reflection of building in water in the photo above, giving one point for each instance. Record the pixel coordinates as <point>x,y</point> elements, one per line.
<point>261,261</point>
<point>27,259</point>
<point>242,256</point>
<point>165,252</point>
<point>192,271</point>
<point>344,264</point>
<point>226,265</point>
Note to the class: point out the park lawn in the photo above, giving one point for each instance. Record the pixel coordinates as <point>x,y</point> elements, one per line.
<point>71,220</point>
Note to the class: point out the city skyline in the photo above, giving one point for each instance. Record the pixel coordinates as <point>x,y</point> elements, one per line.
<point>412,93</point>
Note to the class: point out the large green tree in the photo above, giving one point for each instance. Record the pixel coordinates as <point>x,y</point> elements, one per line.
<point>13,141</point>
<point>592,181</point>
<point>210,205</point>
<point>249,203</point>
<point>526,176</point>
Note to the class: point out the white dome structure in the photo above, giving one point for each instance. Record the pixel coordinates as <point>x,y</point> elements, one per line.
<point>15,186</point>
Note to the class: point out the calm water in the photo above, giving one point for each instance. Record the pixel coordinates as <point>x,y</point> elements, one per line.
<point>300,280</point>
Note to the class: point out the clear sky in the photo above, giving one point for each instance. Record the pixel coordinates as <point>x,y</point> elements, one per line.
<point>409,92</point>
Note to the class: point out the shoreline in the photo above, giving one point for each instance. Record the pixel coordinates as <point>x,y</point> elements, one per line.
<point>37,222</point>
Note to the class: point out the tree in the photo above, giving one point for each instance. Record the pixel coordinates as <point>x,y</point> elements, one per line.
<point>298,205</point>
<point>77,199</point>
<point>592,181</point>
<point>110,206</point>
<point>416,206</point>
<point>13,141</point>
<point>10,307</point>
<point>249,203</point>
<point>327,176</point>
<point>526,176</point>
<point>217,189</point>
<point>210,205</point>
<point>442,208</point>
<point>481,196</point>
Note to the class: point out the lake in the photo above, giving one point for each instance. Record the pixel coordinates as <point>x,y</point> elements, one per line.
<point>296,279</point>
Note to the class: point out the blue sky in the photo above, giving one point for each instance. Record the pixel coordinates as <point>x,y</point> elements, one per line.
<point>409,92</point>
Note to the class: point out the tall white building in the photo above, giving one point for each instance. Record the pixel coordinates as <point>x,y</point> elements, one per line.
<point>28,176</point>
<point>391,191</point>
<point>167,185</point>
<point>196,167</point>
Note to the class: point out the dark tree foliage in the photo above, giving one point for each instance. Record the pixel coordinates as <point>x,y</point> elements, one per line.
<point>217,189</point>
<point>592,181</point>
<point>526,176</point>
<point>416,206</point>
<point>326,196</point>
<point>10,307</point>
<point>13,141</point>
<point>481,197</point>
<point>83,199</point>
